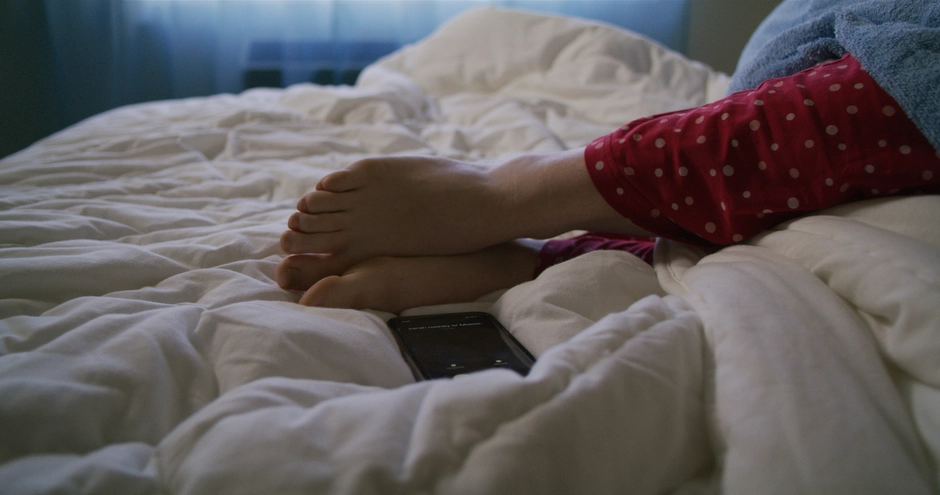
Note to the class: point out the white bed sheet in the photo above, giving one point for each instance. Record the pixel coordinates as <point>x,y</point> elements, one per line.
<point>145,347</point>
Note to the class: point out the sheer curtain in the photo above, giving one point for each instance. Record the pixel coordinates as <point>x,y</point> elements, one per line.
<point>114,52</point>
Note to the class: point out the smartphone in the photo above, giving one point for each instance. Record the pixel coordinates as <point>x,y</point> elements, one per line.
<point>454,344</point>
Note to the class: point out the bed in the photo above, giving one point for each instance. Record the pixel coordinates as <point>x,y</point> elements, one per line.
<point>145,347</point>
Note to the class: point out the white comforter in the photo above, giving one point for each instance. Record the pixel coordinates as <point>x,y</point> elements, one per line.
<point>146,348</point>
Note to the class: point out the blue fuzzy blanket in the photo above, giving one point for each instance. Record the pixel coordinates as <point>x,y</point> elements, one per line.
<point>896,41</point>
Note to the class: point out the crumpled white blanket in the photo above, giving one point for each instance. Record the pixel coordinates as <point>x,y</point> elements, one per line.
<point>144,347</point>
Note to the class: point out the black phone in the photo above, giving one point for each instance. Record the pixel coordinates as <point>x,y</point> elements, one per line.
<point>454,344</point>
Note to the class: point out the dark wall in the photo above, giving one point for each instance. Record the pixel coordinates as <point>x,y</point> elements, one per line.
<point>28,106</point>
<point>719,29</point>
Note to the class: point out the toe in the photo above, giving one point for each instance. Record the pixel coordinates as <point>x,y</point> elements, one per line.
<point>323,202</point>
<point>285,241</point>
<point>319,223</point>
<point>324,242</point>
<point>301,271</point>
<point>340,181</point>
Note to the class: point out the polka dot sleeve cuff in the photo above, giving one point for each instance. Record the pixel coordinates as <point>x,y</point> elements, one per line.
<point>730,169</point>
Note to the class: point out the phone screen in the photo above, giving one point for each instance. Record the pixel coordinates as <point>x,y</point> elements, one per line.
<point>449,345</point>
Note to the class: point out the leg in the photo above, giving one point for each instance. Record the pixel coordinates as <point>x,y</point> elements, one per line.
<point>394,284</point>
<point>431,206</point>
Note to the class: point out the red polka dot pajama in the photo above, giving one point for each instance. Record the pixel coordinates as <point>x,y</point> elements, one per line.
<point>725,171</point>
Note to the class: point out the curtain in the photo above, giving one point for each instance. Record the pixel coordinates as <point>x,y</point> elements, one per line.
<point>114,52</point>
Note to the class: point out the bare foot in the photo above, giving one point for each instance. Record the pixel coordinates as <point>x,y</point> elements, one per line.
<point>396,206</point>
<point>395,284</point>
<point>408,206</point>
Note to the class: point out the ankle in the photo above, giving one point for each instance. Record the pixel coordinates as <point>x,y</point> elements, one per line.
<point>541,196</point>
<point>518,260</point>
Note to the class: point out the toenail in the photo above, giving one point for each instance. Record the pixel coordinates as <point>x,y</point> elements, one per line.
<point>292,222</point>
<point>302,205</point>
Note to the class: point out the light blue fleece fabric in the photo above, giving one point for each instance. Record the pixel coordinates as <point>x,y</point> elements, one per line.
<point>896,41</point>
